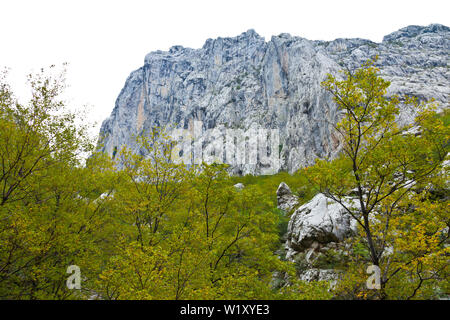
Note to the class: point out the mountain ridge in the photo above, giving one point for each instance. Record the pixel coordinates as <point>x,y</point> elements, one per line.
<point>245,81</point>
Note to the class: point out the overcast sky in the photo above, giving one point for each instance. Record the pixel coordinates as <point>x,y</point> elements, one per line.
<point>103,41</point>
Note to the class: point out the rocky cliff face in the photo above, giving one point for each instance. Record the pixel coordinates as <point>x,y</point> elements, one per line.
<point>246,82</point>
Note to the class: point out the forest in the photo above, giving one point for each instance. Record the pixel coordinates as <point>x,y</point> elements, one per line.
<point>145,227</point>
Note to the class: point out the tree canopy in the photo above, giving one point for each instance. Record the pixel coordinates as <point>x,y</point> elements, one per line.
<point>146,227</point>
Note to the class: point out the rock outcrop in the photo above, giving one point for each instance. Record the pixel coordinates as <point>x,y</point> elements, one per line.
<point>315,235</point>
<point>246,82</point>
<point>239,186</point>
<point>285,198</point>
<point>318,223</point>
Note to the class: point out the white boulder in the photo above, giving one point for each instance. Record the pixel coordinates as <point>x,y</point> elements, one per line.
<point>321,220</point>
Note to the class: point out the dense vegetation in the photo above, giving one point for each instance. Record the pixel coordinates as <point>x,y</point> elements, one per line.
<point>154,229</point>
<point>399,187</point>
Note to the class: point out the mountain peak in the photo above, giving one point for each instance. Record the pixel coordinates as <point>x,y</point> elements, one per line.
<point>414,30</point>
<point>250,33</point>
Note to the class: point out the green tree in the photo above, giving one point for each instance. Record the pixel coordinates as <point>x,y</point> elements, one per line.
<point>48,213</point>
<point>393,172</point>
<point>190,234</point>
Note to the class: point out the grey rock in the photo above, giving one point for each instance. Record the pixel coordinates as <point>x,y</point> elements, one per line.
<point>318,222</point>
<point>239,186</point>
<point>245,81</point>
<point>286,200</point>
<point>315,274</point>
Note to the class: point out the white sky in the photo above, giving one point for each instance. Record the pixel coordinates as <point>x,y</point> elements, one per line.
<point>103,41</point>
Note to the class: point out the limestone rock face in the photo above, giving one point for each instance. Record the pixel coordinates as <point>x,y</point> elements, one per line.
<point>246,82</point>
<point>317,223</point>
